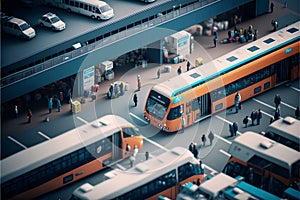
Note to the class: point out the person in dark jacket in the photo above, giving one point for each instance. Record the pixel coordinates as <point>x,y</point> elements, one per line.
<point>259,116</point>
<point>245,121</point>
<point>253,117</point>
<point>135,99</point>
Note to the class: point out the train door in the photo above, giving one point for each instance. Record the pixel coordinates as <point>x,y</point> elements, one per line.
<point>283,72</point>
<point>201,107</point>
<point>189,116</point>
<point>117,146</point>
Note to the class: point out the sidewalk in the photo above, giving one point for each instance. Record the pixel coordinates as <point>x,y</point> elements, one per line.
<point>12,125</point>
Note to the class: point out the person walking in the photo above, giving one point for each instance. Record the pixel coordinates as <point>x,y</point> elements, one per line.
<point>253,116</point>
<point>211,137</point>
<point>258,116</point>
<point>231,130</point>
<point>131,159</point>
<point>297,112</point>
<point>135,99</point>
<point>147,155</point>
<point>58,105</point>
<point>29,115</point>
<point>195,151</point>
<point>135,151</point>
<point>272,7</point>
<point>16,111</point>
<point>139,82</point>
<point>158,73</point>
<point>215,41</point>
<point>277,101</point>
<point>188,64</point>
<point>50,105</point>
<point>203,138</point>
<point>182,123</point>
<point>128,148</point>
<point>235,128</point>
<point>191,147</point>
<point>179,70</point>
<point>245,121</point>
<point>237,101</point>
<point>276,115</point>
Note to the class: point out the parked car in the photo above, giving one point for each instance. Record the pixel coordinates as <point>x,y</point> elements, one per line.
<point>15,26</point>
<point>52,21</point>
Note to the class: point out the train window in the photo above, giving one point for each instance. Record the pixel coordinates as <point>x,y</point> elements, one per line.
<point>257,90</point>
<point>267,85</point>
<point>219,106</point>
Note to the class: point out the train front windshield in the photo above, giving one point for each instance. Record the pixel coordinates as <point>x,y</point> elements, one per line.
<point>157,105</point>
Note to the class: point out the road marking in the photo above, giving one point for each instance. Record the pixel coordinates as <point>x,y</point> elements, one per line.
<point>263,112</point>
<point>44,135</point>
<point>265,104</point>
<point>138,118</point>
<point>287,105</point>
<point>156,144</point>
<point>224,152</point>
<point>298,90</point>
<point>16,141</point>
<point>121,167</point>
<point>227,141</point>
<point>228,122</point>
<point>209,168</point>
<point>81,119</point>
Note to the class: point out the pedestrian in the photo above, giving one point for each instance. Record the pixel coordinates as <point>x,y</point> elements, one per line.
<point>237,101</point>
<point>253,116</point>
<point>215,41</point>
<point>275,25</point>
<point>182,123</point>
<point>139,83</point>
<point>116,90</point>
<point>255,34</point>
<point>277,114</point>
<point>258,116</point>
<point>158,73</point>
<point>147,155</point>
<point>131,159</point>
<point>272,7</point>
<point>128,148</point>
<point>277,101</point>
<point>231,130</point>
<point>195,151</point>
<point>135,151</point>
<point>203,139</point>
<point>135,99</point>
<point>211,137</point>
<point>191,147</point>
<point>50,105</point>
<point>29,115</point>
<point>58,105</point>
<point>188,64</point>
<point>297,112</point>
<point>235,128</point>
<point>179,70</point>
<point>245,121</point>
<point>16,111</point>
<point>122,88</point>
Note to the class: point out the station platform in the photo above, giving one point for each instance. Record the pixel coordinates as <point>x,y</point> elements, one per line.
<point>11,125</point>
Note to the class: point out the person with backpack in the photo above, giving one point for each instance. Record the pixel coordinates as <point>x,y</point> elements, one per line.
<point>245,121</point>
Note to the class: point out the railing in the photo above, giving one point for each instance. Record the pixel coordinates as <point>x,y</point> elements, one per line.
<point>158,20</point>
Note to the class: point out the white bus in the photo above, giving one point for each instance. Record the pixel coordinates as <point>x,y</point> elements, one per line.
<point>95,9</point>
<point>161,175</point>
<point>264,163</point>
<point>67,158</point>
<point>285,131</point>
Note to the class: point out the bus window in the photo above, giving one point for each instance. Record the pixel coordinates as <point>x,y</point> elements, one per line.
<point>130,132</point>
<point>174,113</point>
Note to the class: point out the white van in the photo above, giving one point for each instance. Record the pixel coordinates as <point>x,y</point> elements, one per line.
<point>95,9</point>
<point>18,27</point>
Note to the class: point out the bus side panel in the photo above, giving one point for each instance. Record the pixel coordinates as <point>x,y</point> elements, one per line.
<point>169,193</point>
<point>56,183</point>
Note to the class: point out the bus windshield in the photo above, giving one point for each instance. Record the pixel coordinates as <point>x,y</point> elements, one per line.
<point>157,105</point>
<point>130,132</point>
<point>105,8</point>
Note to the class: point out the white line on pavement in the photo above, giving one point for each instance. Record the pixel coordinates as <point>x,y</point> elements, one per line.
<point>224,152</point>
<point>263,112</point>
<point>287,105</point>
<point>138,118</point>
<point>209,168</point>
<point>44,135</point>
<point>265,104</point>
<point>156,144</point>
<point>83,120</point>
<point>227,141</point>
<point>228,122</point>
<point>16,141</point>
<point>120,167</point>
<point>298,90</point>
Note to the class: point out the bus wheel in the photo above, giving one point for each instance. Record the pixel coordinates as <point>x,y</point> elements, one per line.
<point>99,18</point>
<point>93,16</point>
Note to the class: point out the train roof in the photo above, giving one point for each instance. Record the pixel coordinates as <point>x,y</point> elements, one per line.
<point>251,144</point>
<point>227,62</point>
<point>40,154</point>
<point>138,175</point>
